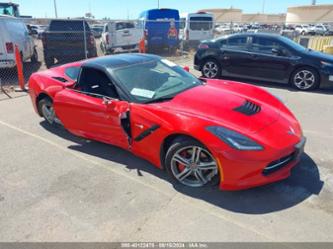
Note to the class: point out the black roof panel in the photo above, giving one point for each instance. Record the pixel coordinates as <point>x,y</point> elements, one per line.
<point>120,60</point>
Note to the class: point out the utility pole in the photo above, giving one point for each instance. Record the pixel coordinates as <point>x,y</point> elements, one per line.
<point>263,6</point>
<point>55,8</point>
<point>314,2</point>
<point>158,4</point>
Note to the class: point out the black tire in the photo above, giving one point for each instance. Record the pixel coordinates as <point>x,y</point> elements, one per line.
<point>47,103</point>
<point>184,143</point>
<point>211,69</point>
<point>305,79</point>
<point>34,58</point>
<point>49,62</point>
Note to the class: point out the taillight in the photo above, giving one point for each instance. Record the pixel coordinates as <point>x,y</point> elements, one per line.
<point>10,47</point>
<point>203,46</point>
<point>187,34</point>
<point>107,39</point>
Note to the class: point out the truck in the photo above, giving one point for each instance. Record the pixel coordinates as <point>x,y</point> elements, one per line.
<point>121,36</point>
<point>67,41</point>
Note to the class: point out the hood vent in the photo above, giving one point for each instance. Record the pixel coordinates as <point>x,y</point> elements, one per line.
<point>248,108</point>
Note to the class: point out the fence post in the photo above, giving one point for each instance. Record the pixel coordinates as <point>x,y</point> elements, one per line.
<point>19,67</point>
<point>85,40</point>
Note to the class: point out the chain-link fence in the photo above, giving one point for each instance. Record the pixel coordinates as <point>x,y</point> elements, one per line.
<point>45,43</point>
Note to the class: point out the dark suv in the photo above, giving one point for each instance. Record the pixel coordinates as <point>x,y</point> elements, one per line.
<point>264,57</point>
<point>67,41</point>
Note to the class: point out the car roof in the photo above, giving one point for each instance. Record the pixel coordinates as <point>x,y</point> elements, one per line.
<point>118,61</point>
<point>264,35</point>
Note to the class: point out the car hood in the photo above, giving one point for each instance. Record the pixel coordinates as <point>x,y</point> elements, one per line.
<point>218,100</point>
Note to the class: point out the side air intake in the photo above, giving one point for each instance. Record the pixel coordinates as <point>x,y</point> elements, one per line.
<point>248,108</point>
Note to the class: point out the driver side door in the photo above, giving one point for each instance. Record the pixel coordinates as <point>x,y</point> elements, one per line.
<point>89,111</point>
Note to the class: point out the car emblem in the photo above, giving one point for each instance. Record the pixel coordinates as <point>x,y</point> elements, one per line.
<point>291,131</point>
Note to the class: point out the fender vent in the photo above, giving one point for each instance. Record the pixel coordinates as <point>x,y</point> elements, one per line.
<point>248,108</point>
<point>60,79</point>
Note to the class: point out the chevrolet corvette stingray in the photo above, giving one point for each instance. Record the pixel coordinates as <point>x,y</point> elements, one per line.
<point>201,131</point>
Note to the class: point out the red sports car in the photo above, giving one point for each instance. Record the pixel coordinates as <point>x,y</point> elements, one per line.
<point>200,131</point>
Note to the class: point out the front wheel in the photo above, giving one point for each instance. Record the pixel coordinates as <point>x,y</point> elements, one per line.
<point>211,69</point>
<point>305,79</point>
<point>188,162</point>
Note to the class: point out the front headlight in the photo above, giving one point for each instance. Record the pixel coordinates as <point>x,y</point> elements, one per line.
<point>234,139</point>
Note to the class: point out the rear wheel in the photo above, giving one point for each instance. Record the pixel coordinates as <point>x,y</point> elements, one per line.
<point>211,69</point>
<point>305,79</point>
<point>190,163</point>
<point>46,108</point>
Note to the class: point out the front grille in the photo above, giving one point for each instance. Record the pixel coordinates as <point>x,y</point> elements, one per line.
<point>248,108</point>
<point>278,164</point>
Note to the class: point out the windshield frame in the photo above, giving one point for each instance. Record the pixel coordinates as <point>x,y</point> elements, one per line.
<point>130,96</point>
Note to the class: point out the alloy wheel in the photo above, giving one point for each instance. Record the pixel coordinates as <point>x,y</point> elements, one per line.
<point>48,112</point>
<point>193,166</point>
<point>304,79</point>
<point>210,69</point>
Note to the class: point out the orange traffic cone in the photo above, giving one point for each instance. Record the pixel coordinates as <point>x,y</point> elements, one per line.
<point>19,66</point>
<point>142,46</point>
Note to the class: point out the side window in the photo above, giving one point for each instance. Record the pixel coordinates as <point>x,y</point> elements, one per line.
<point>96,82</point>
<point>265,46</point>
<point>237,42</point>
<point>72,72</point>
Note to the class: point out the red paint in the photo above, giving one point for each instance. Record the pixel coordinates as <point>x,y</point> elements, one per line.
<point>189,113</point>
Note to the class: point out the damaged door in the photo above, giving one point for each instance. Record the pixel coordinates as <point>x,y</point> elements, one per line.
<point>92,117</point>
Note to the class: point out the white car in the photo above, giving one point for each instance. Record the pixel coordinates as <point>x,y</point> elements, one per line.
<point>15,32</point>
<point>302,29</point>
<point>121,36</point>
<point>318,29</point>
<point>38,30</point>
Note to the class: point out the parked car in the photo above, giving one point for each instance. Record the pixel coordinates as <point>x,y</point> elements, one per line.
<point>15,32</point>
<point>318,29</point>
<point>224,29</point>
<point>202,132</point>
<point>64,41</point>
<point>121,36</point>
<point>196,27</point>
<point>302,29</point>
<point>161,28</point>
<point>97,30</point>
<point>264,57</point>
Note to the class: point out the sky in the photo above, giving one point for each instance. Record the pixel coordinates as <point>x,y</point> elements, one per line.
<point>123,9</point>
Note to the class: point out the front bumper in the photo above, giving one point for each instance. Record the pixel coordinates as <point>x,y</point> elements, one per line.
<point>240,173</point>
<point>326,76</point>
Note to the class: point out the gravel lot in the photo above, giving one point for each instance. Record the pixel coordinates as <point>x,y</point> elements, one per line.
<point>57,187</point>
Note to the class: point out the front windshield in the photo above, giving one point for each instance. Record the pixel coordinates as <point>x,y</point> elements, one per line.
<point>153,80</point>
<point>293,44</point>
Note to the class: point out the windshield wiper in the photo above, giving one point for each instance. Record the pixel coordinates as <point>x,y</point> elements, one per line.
<point>161,99</point>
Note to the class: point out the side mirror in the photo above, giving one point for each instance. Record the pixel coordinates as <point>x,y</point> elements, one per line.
<point>186,68</point>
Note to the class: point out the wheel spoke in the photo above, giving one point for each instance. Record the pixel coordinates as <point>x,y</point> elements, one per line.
<point>184,174</point>
<point>198,174</point>
<point>207,166</point>
<point>196,151</point>
<point>178,158</point>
